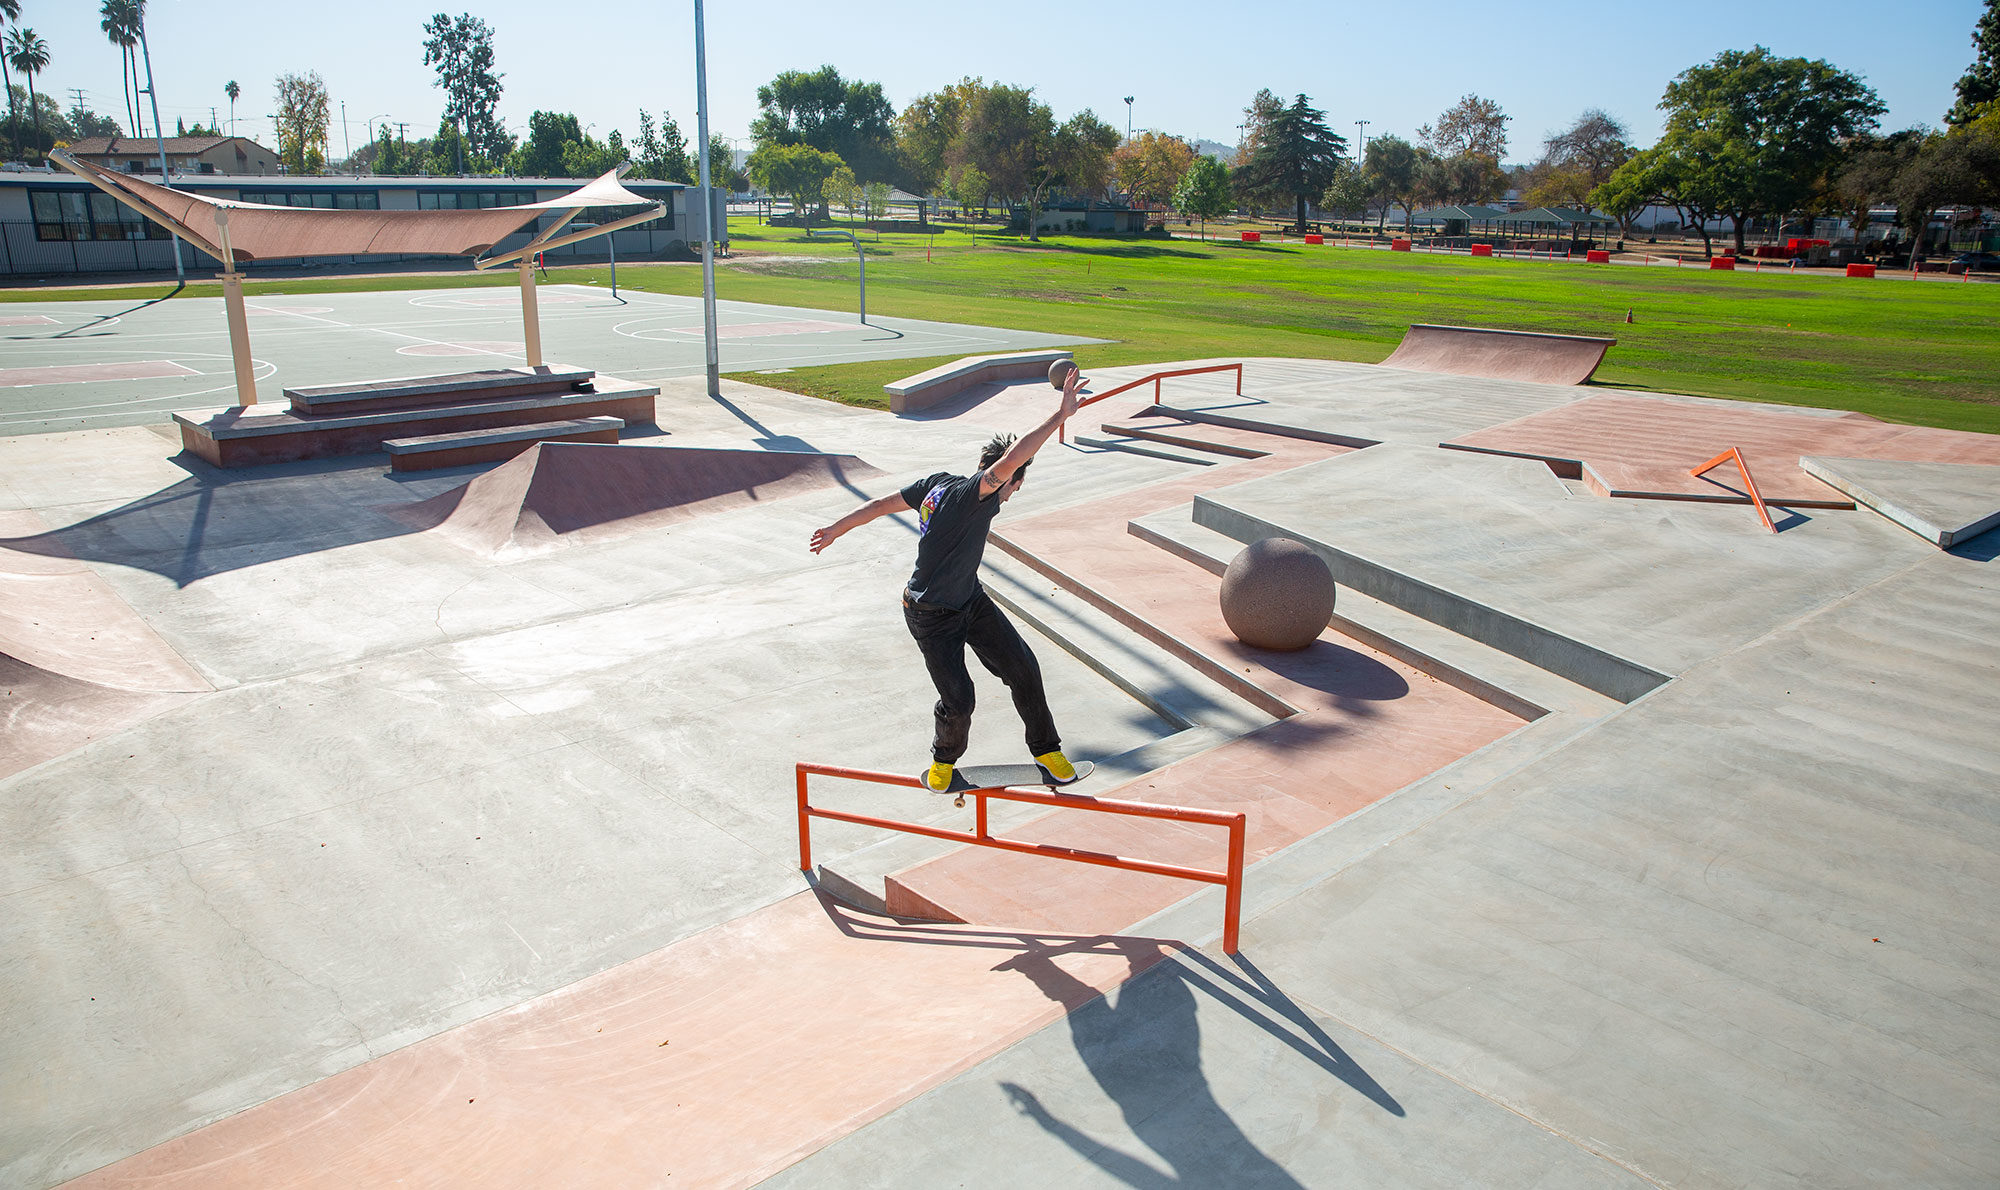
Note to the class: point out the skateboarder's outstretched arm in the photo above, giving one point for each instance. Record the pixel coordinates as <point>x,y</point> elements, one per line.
<point>1024,447</point>
<point>881,506</point>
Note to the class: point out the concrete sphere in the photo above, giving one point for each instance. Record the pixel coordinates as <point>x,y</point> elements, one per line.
<point>1059,372</point>
<point>1277,594</point>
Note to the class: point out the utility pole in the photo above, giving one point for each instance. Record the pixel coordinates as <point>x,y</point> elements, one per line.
<point>76,93</point>
<point>345,143</point>
<point>180,271</point>
<point>1128,117</point>
<point>707,208</point>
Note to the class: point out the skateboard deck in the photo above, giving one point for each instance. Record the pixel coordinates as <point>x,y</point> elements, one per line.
<point>993,776</point>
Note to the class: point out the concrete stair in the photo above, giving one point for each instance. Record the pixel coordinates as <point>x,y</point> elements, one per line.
<point>353,419</point>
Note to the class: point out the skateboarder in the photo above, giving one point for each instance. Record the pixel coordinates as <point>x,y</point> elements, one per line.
<point>947,609</point>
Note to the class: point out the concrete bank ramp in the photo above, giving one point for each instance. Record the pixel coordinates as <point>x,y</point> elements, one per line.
<point>561,492</point>
<point>76,662</point>
<point>1499,355</point>
<point>1943,503</point>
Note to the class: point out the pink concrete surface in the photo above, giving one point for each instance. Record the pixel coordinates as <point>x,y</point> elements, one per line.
<point>1368,725</point>
<point>558,491</point>
<point>714,1062</point>
<point>145,369</point>
<point>76,662</point>
<point>1641,446</point>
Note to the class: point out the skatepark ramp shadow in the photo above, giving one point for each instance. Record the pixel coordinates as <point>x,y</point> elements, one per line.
<point>562,492</point>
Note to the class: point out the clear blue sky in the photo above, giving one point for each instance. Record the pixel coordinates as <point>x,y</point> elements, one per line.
<point>1190,68</point>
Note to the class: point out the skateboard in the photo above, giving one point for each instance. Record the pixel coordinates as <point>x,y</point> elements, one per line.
<point>973,777</point>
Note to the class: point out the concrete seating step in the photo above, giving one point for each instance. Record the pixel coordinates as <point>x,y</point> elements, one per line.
<point>247,436</point>
<point>937,385</point>
<point>1492,675</point>
<point>432,451</point>
<point>483,385</point>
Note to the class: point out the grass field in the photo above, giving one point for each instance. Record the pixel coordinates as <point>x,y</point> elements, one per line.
<point>1926,353</point>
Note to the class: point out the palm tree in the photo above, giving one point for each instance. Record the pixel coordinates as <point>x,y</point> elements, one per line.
<point>29,55</point>
<point>121,25</point>
<point>10,10</point>
<point>232,90</point>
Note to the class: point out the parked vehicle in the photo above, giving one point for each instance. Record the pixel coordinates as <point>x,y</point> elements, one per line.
<point>1977,262</point>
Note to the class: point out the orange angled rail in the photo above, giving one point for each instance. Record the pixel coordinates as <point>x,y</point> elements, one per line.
<point>1231,878</point>
<point>1755,499</point>
<point>1154,380</point>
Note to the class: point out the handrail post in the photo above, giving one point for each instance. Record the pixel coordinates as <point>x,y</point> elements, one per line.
<point>979,814</point>
<point>1232,893</point>
<point>1239,379</point>
<point>805,826</point>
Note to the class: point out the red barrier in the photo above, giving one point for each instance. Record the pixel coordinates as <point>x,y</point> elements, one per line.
<point>1230,878</point>
<point>1399,245</point>
<point>1252,237</point>
<point>1482,249</point>
<point>1313,239</point>
<point>1597,256</point>
<point>1861,270</point>
<point>1727,263</point>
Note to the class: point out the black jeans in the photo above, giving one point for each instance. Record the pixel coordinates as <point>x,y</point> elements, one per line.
<point>943,634</point>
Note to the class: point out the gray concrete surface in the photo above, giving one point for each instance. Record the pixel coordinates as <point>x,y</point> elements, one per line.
<point>1741,931</point>
<point>1943,503</point>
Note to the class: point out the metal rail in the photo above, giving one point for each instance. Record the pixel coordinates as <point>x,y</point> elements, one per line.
<point>1755,498</point>
<point>1062,432</point>
<point>1231,878</point>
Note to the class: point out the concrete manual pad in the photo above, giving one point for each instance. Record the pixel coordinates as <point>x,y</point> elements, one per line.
<point>1943,503</point>
<point>1653,585</point>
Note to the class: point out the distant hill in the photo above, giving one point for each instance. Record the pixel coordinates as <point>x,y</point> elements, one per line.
<point>1221,152</point>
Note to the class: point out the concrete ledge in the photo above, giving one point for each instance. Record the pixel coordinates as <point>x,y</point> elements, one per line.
<point>925,389</point>
<point>433,390</point>
<point>1943,503</point>
<point>432,451</point>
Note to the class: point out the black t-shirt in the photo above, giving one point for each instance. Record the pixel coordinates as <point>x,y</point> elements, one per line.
<point>952,523</point>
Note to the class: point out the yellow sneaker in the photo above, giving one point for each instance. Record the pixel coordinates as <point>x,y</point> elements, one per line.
<point>938,779</point>
<point>1057,765</point>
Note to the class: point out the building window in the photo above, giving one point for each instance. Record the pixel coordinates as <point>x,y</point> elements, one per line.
<point>471,200</point>
<point>83,215</point>
<point>347,200</point>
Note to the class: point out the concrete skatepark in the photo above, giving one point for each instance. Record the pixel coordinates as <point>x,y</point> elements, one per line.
<point>1600,840</point>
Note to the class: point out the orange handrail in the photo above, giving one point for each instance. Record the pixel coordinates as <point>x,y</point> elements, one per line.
<point>1231,878</point>
<point>1755,498</point>
<point>1154,380</point>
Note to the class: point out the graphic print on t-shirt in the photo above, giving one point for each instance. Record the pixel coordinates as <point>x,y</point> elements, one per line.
<point>931,500</point>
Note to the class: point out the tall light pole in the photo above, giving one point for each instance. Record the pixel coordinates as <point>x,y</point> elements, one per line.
<point>346,142</point>
<point>707,207</point>
<point>180,272</point>
<point>1128,117</point>
<point>1361,129</point>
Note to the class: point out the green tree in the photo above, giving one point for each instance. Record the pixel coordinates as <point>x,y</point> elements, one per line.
<point>1297,155</point>
<point>662,152</point>
<point>541,155</point>
<point>1980,85</point>
<point>927,132</point>
<point>1394,167</point>
<point>119,19</point>
<point>29,54</point>
<point>461,50</point>
<point>1149,166</point>
<point>302,119</point>
<point>1869,175</point>
<point>1757,134</point>
<point>10,10</point>
<point>1959,168</point>
<point>1576,161</point>
<point>851,120</point>
<point>232,91</point>
<point>1264,107</point>
<point>1630,189</point>
<point>723,172</point>
<point>1204,191</point>
<point>1016,143</point>
<point>844,190</point>
<point>799,171</point>
<point>970,187</point>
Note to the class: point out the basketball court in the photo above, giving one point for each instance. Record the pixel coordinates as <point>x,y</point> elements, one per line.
<point>84,365</point>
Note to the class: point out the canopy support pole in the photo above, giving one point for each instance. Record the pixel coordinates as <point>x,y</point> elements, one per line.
<point>531,321</point>
<point>239,324</point>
